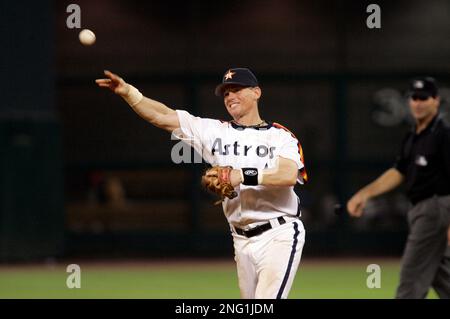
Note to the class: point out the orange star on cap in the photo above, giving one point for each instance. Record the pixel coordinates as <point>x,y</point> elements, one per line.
<point>229,75</point>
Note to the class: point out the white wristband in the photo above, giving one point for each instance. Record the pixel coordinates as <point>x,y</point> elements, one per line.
<point>134,96</point>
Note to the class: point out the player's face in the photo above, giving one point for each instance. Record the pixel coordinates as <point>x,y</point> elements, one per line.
<point>239,100</point>
<point>423,108</point>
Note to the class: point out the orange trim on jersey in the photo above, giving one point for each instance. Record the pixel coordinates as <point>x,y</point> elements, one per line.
<point>303,172</point>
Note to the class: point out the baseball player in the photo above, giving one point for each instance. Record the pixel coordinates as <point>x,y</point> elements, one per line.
<point>255,165</point>
<point>424,165</point>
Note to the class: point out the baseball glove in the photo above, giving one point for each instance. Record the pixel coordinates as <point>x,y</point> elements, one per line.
<point>217,180</point>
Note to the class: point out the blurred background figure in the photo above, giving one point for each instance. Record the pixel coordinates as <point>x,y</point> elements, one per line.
<point>107,190</point>
<point>423,164</point>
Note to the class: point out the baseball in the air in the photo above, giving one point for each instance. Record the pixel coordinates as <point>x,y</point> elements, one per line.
<point>87,37</point>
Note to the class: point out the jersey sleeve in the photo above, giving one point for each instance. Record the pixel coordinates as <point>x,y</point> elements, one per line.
<point>290,148</point>
<point>401,161</point>
<point>190,130</point>
<point>400,165</point>
<point>446,151</point>
<point>195,131</point>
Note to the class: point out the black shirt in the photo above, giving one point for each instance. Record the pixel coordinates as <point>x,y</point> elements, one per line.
<point>424,161</point>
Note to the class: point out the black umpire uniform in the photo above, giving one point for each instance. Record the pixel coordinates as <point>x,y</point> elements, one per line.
<point>424,161</point>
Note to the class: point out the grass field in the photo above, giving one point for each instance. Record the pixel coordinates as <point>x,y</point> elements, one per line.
<point>208,279</point>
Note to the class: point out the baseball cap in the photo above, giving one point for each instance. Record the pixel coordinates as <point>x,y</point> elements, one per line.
<point>236,76</point>
<point>423,86</point>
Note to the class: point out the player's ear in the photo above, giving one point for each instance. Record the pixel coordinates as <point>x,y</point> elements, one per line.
<point>258,92</point>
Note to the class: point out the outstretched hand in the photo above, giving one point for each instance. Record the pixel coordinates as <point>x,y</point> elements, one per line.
<point>114,82</point>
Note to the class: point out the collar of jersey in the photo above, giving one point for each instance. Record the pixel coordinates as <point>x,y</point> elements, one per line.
<point>243,127</point>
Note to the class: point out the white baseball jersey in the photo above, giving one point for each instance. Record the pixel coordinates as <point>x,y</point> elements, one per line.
<point>227,143</point>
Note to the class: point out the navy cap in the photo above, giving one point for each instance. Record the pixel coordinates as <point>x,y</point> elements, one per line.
<point>236,76</point>
<point>423,85</point>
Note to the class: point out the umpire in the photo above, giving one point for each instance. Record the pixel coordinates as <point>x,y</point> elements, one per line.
<point>423,165</point>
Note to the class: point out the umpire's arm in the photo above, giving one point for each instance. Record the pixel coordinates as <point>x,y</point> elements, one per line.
<point>150,110</point>
<point>389,180</point>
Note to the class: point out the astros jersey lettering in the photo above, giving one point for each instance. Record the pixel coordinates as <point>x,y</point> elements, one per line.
<point>226,143</point>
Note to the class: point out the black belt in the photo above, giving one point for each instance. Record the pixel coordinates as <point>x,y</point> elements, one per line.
<point>259,229</point>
